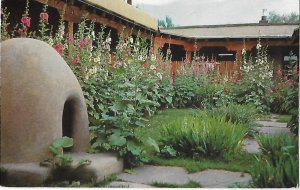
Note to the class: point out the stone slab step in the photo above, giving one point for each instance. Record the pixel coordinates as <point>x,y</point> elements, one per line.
<point>272,124</point>
<point>25,175</point>
<point>175,175</point>
<point>33,175</point>
<point>274,130</point>
<point>219,178</point>
<point>161,174</point>
<point>102,166</point>
<point>251,146</point>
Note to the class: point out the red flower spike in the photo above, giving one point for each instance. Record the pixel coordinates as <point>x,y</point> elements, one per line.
<point>59,48</point>
<point>44,17</point>
<point>26,21</point>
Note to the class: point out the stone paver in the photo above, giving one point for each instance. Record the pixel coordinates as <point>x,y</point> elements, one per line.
<point>102,165</point>
<point>25,174</point>
<point>175,175</point>
<point>273,127</point>
<point>219,178</point>
<point>274,130</point>
<point>122,184</point>
<point>267,128</point>
<point>271,124</point>
<point>162,174</point>
<point>251,146</point>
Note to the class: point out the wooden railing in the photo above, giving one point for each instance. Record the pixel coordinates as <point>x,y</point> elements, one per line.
<point>228,68</point>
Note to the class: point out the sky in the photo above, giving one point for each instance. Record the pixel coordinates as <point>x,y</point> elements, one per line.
<point>210,12</point>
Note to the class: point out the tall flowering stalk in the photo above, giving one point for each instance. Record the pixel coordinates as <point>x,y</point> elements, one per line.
<point>257,79</point>
<point>43,22</point>
<point>4,24</point>
<point>25,22</point>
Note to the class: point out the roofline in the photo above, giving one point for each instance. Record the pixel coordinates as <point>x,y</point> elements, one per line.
<point>117,15</point>
<point>229,25</point>
<point>240,37</point>
<point>225,37</point>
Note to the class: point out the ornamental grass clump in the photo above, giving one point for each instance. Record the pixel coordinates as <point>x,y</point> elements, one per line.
<point>203,136</point>
<point>243,114</point>
<point>278,165</point>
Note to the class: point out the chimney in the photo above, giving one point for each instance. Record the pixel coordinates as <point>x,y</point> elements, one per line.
<point>264,19</point>
<point>129,2</point>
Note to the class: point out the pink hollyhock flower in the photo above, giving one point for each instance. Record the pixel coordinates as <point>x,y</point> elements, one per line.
<point>195,46</point>
<point>279,72</point>
<point>81,43</point>
<point>59,48</point>
<point>151,50</point>
<point>44,17</point>
<point>26,21</point>
<point>75,60</point>
<point>295,70</point>
<point>290,83</point>
<point>146,65</point>
<point>89,42</point>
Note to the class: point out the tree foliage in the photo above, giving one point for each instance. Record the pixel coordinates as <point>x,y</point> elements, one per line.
<point>275,17</point>
<point>166,23</point>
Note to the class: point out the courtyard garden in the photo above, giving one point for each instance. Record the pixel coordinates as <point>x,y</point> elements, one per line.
<point>196,119</point>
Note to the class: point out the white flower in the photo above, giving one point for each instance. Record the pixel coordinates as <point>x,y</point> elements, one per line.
<point>152,67</point>
<point>258,46</point>
<point>159,76</point>
<point>243,51</point>
<point>153,57</point>
<point>108,40</point>
<point>95,69</point>
<point>140,58</point>
<point>50,42</point>
<point>97,59</point>
<point>131,40</point>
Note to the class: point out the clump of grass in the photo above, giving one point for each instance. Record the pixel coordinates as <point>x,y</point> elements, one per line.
<point>278,166</point>
<point>242,163</point>
<point>190,184</point>
<point>203,135</point>
<point>272,146</point>
<point>283,118</point>
<point>242,114</point>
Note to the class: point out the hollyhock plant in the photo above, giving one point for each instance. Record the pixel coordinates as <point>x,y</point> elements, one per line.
<point>44,17</point>
<point>26,21</point>
<point>59,48</point>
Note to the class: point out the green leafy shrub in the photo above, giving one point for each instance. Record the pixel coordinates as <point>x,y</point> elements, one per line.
<point>272,145</point>
<point>185,87</point>
<point>120,140</point>
<point>213,95</point>
<point>286,88</point>
<point>203,135</point>
<point>243,114</point>
<point>277,167</point>
<point>293,124</point>
<point>285,99</point>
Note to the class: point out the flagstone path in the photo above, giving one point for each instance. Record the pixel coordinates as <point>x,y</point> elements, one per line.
<point>146,176</point>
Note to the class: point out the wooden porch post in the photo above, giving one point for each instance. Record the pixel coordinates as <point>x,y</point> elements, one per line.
<point>70,29</point>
